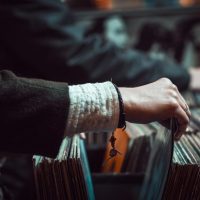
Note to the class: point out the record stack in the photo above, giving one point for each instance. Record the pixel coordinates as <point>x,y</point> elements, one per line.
<point>184,178</point>
<point>66,177</point>
<point>136,144</point>
<point>192,98</point>
<point>196,116</point>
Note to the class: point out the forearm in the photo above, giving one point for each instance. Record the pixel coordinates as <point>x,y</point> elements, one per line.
<point>37,114</point>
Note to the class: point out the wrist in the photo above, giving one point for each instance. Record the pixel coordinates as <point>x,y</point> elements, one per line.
<point>125,95</point>
<point>130,99</point>
<point>122,114</point>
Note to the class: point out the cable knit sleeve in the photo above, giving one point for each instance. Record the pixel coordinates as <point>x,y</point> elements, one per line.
<point>93,107</point>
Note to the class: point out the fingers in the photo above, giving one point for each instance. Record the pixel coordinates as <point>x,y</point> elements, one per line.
<point>182,112</point>
<point>182,102</point>
<point>183,121</point>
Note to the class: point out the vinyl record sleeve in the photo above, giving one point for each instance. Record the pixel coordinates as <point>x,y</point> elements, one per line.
<point>159,164</point>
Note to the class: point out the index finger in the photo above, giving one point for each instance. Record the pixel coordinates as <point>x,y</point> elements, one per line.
<point>183,121</point>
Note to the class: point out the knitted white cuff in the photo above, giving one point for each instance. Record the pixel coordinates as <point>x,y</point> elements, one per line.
<point>93,107</point>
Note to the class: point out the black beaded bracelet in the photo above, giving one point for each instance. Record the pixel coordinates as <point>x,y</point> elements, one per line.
<point>122,116</point>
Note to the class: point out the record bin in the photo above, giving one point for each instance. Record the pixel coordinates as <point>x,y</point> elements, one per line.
<point>109,186</point>
<point>148,184</point>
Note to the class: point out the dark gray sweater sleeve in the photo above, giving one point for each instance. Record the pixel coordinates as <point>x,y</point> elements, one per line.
<point>33,115</point>
<point>42,41</point>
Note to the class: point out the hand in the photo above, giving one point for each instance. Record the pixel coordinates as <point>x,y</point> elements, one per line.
<point>157,101</point>
<point>195,78</point>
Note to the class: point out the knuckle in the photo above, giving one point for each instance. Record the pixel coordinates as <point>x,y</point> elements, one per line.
<point>166,80</point>
<point>174,87</point>
<point>173,104</point>
<point>172,94</point>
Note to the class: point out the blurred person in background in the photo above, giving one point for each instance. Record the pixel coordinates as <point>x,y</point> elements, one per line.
<point>187,34</point>
<point>155,42</point>
<point>112,29</point>
<point>39,39</point>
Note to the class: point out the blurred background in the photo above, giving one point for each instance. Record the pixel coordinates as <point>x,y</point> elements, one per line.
<point>161,29</point>
<point>118,4</point>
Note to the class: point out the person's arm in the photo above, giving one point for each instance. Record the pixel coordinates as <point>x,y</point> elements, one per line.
<point>41,41</point>
<point>37,114</point>
<point>95,107</point>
